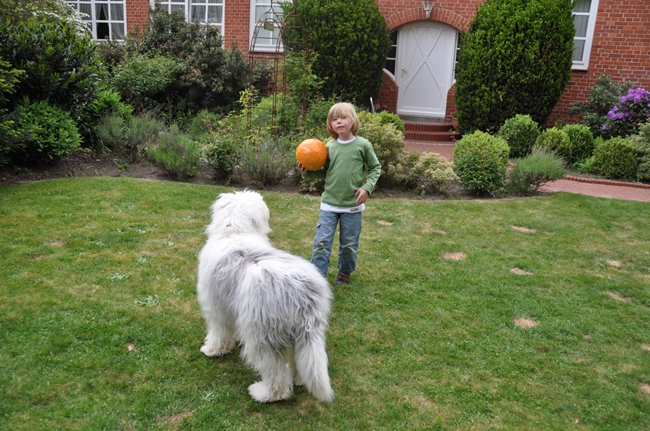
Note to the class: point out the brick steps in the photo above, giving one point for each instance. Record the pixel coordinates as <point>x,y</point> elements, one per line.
<point>430,132</point>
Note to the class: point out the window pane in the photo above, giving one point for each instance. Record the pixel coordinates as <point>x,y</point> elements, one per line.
<point>102,30</point>
<point>87,9</point>
<point>176,7</point>
<point>578,50</point>
<point>215,14</point>
<point>117,31</point>
<point>198,13</point>
<point>582,6</point>
<point>117,12</point>
<point>580,22</point>
<point>101,12</point>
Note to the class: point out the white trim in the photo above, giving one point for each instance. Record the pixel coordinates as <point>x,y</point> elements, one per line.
<point>264,47</point>
<point>186,10</point>
<point>92,18</point>
<point>588,38</point>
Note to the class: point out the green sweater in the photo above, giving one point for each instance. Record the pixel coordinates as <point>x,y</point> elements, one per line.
<point>345,171</point>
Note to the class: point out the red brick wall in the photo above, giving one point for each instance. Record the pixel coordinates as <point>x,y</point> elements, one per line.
<point>621,45</point>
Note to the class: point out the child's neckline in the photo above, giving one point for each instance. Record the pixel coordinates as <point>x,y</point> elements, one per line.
<point>340,141</point>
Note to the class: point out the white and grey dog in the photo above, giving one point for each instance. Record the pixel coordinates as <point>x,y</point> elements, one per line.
<point>275,304</point>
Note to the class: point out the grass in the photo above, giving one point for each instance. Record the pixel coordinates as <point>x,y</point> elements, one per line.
<point>100,328</point>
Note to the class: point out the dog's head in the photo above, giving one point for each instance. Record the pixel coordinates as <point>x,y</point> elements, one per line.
<point>237,213</point>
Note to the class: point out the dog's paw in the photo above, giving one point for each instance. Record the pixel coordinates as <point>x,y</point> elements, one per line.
<point>261,393</point>
<point>213,351</point>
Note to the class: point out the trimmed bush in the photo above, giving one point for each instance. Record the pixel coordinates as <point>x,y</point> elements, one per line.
<point>516,58</point>
<point>520,132</point>
<point>387,117</point>
<point>641,144</point>
<point>50,134</point>
<point>481,161</point>
<point>177,154</point>
<point>387,141</point>
<point>557,141</point>
<point>532,171</point>
<point>351,41</point>
<point>433,173</point>
<point>582,141</point>
<point>615,158</point>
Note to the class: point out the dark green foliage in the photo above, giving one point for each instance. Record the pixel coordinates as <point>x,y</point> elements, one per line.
<point>481,161</point>
<point>108,102</point>
<point>557,141</point>
<point>582,141</point>
<point>60,65</point>
<point>212,76</point>
<point>9,135</point>
<point>177,154</point>
<point>516,58</point>
<point>615,158</point>
<point>520,132</point>
<point>532,171</point>
<point>604,95</point>
<point>50,134</point>
<point>351,40</point>
<point>641,144</point>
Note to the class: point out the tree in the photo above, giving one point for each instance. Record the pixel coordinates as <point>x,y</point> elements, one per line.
<point>516,58</point>
<point>351,41</point>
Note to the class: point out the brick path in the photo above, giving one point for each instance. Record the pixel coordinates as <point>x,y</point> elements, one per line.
<point>582,186</point>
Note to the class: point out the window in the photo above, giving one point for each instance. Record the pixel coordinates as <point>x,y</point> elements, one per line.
<point>391,61</point>
<point>106,18</point>
<point>270,11</point>
<point>204,11</point>
<point>584,19</point>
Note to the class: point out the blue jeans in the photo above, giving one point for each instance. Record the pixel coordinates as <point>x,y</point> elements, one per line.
<point>349,240</point>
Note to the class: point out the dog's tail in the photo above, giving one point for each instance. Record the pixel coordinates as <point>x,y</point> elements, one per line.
<point>311,364</point>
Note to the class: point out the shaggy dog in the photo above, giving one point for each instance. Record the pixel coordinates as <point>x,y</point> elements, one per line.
<point>275,304</point>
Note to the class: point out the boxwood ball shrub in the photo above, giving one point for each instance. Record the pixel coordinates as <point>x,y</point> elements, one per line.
<point>520,132</point>
<point>615,158</point>
<point>50,133</point>
<point>481,161</point>
<point>641,144</point>
<point>557,141</point>
<point>516,58</point>
<point>582,141</point>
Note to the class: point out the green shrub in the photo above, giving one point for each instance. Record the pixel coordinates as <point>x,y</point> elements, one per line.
<point>267,164</point>
<point>605,94</point>
<point>532,171</point>
<point>203,123</point>
<point>433,173</point>
<point>481,161</point>
<point>557,141</point>
<point>387,117</point>
<point>641,144</point>
<point>59,65</point>
<point>615,158</point>
<point>222,155</point>
<point>147,83</point>
<point>176,153</point>
<point>520,132</point>
<point>387,141</point>
<point>129,136</point>
<point>50,133</point>
<point>108,102</point>
<point>351,41</point>
<point>516,58</point>
<point>9,135</point>
<point>400,173</point>
<point>582,141</point>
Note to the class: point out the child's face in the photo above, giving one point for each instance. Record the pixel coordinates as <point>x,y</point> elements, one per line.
<point>341,125</point>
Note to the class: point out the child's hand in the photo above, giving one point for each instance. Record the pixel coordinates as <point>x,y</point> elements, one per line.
<point>301,168</point>
<point>362,196</point>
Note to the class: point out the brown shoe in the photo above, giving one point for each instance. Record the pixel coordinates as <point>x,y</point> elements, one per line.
<point>342,278</point>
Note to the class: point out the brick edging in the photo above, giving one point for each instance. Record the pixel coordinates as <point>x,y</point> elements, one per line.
<point>607,182</point>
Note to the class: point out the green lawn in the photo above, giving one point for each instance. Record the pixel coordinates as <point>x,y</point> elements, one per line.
<point>100,328</point>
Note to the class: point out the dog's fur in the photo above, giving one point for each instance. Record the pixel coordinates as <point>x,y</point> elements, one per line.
<point>275,304</point>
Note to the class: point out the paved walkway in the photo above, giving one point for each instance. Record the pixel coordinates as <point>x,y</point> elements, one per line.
<point>584,186</point>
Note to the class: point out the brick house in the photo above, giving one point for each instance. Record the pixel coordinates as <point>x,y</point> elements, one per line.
<point>612,37</point>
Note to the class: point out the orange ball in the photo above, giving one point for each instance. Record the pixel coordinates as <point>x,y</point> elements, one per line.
<point>312,154</point>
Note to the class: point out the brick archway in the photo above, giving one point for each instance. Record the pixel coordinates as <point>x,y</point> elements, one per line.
<point>439,14</point>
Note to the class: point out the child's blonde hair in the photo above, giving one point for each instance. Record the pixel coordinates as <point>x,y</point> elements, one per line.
<point>339,110</point>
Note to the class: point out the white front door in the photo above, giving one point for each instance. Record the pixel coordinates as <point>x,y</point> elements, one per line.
<point>426,52</point>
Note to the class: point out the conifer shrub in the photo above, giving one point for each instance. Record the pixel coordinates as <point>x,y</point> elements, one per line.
<point>480,161</point>
<point>557,141</point>
<point>49,133</point>
<point>516,58</point>
<point>520,132</point>
<point>615,158</point>
<point>641,144</point>
<point>351,41</point>
<point>582,141</point>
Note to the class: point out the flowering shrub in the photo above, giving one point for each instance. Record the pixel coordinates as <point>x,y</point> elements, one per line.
<point>632,110</point>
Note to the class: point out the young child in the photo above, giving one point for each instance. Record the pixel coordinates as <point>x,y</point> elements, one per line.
<point>346,190</point>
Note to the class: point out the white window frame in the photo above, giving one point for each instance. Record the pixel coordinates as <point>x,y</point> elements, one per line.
<point>186,7</point>
<point>264,35</point>
<point>587,38</point>
<point>92,21</point>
